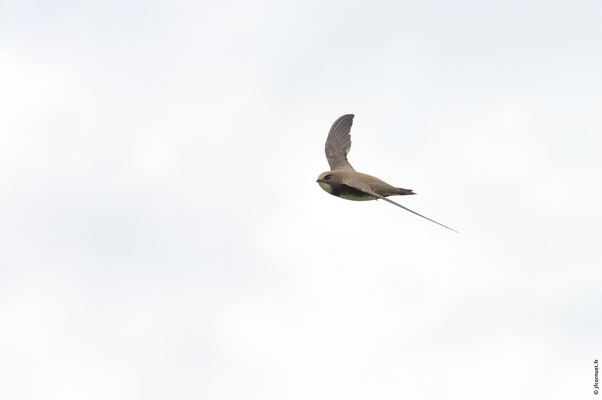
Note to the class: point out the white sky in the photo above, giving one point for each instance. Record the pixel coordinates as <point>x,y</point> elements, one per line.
<point>163,235</point>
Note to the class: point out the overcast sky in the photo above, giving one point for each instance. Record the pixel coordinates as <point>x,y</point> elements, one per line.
<point>162,234</point>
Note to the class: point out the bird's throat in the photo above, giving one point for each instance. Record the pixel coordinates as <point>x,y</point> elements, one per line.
<point>326,187</point>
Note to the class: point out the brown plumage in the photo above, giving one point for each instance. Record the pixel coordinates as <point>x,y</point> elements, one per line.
<point>345,182</point>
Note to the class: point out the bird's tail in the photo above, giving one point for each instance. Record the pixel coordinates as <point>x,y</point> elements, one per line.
<point>403,192</point>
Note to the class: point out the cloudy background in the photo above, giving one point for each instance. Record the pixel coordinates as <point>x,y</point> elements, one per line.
<point>162,234</point>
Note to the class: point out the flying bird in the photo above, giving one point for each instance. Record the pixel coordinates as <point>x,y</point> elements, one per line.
<point>343,181</point>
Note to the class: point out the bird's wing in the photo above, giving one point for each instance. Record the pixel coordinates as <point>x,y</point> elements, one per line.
<point>366,189</point>
<point>414,212</point>
<point>338,142</point>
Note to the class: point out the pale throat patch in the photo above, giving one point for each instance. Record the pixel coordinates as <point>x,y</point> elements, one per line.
<point>326,187</point>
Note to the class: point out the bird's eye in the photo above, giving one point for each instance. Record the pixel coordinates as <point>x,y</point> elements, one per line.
<point>327,177</point>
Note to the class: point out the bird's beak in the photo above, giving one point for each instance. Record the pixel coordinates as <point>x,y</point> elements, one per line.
<point>317,180</point>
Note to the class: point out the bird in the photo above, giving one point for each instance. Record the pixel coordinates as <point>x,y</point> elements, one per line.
<point>345,182</point>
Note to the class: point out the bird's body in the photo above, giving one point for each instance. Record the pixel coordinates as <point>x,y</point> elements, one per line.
<point>337,185</point>
<point>344,181</point>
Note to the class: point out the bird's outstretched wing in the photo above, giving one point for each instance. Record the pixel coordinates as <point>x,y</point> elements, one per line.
<point>367,189</point>
<point>414,212</point>
<point>338,142</point>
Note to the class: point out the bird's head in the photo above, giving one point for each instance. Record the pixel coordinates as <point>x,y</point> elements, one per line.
<point>326,179</point>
